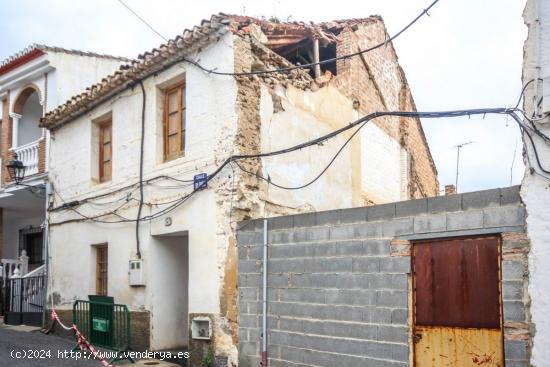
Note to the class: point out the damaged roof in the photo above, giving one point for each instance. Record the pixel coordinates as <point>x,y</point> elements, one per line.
<point>37,50</point>
<point>278,35</point>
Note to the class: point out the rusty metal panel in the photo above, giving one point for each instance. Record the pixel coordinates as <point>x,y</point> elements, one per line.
<point>457,283</point>
<point>458,347</point>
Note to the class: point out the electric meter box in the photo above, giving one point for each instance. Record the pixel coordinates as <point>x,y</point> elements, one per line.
<point>201,328</point>
<point>136,276</point>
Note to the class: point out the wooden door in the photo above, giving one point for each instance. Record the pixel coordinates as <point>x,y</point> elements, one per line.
<point>457,303</point>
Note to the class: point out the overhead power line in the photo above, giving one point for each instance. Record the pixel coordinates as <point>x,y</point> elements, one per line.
<point>290,68</point>
<point>318,141</point>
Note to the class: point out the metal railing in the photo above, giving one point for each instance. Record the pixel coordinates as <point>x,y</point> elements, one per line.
<point>28,154</point>
<point>13,267</point>
<point>104,324</point>
<point>24,300</point>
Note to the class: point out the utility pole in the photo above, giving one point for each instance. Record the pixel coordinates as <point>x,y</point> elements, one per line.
<point>458,147</point>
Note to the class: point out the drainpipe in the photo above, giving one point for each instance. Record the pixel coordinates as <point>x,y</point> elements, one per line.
<point>48,189</point>
<point>264,300</point>
<point>316,58</point>
<point>537,58</point>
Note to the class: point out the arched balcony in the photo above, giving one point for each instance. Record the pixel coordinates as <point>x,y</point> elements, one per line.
<point>26,134</point>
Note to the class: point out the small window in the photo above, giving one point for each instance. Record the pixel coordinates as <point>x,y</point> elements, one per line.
<point>105,150</point>
<point>174,122</point>
<point>101,270</point>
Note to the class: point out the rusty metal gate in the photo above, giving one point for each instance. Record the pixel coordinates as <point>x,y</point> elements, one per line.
<point>457,303</point>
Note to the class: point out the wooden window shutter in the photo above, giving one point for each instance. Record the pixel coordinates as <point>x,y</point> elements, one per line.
<point>174,122</point>
<point>105,151</point>
<point>102,264</point>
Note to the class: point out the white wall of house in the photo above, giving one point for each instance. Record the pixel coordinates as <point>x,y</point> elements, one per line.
<point>535,187</point>
<point>73,73</point>
<point>372,158</point>
<point>306,116</point>
<point>58,76</point>
<point>12,222</point>
<point>380,165</point>
<point>210,109</point>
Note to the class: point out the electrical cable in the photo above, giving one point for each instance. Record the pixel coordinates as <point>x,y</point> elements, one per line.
<point>120,189</point>
<point>268,180</point>
<point>521,95</point>
<point>535,151</point>
<point>362,121</point>
<point>141,154</point>
<point>290,68</point>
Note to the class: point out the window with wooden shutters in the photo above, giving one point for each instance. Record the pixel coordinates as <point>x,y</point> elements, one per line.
<point>101,270</point>
<point>105,150</point>
<point>174,122</point>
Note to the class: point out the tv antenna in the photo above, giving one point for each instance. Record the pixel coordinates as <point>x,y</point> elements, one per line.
<point>458,147</point>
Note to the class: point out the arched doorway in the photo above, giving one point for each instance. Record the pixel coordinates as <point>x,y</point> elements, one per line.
<point>28,107</point>
<point>26,133</point>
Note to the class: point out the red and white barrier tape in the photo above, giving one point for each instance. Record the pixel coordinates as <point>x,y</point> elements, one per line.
<point>83,344</point>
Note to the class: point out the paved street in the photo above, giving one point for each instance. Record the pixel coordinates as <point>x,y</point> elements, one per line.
<point>19,343</point>
<point>15,342</point>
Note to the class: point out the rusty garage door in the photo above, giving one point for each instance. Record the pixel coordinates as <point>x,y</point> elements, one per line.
<point>457,303</point>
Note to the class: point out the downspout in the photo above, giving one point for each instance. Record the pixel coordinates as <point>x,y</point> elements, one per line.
<point>264,300</point>
<point>538,65</point>
<point>141,152</point>
<point>48,189</point>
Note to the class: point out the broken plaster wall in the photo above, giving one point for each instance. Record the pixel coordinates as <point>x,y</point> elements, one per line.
<point>376,80</point>
<point>535,187</point>
<point>294,109</point>
<point>236,197</point>
<point>290,116</point>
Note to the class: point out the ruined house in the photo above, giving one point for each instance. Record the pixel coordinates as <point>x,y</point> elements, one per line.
<point>168,113</point>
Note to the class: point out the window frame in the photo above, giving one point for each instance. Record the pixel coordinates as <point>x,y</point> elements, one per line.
<point>35,257</point>
<point>179,88</point>
<point>101,269</point>
<point>102,126</point>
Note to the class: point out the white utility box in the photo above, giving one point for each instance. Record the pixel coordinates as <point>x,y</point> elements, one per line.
<point>136,276</point>
<point>201,328</point>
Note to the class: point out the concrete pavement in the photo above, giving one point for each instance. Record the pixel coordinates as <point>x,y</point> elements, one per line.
<point>24,346</point>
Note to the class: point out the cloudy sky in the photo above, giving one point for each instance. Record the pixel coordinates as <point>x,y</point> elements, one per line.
<point>467,54</point>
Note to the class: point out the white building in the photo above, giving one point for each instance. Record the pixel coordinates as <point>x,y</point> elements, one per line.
<point>33,82</point>
<point>172,120</point>
<point>535,189</point>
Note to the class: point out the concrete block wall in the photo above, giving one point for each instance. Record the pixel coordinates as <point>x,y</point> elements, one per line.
<point>339,281</point>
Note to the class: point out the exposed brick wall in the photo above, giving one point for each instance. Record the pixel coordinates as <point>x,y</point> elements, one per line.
<point>515,281</point>
<point>42,156</point>
<point>5,138</point>
<point>377,81</point>
<point>339,281</point>
<point>423,174</point>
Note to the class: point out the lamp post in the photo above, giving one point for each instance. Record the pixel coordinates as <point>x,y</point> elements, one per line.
<point>16,170</point>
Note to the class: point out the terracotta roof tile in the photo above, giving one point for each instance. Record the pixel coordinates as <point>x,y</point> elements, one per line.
<point>174,51</point>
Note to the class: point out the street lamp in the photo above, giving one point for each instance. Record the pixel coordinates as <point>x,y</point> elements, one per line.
<point>16,169</point>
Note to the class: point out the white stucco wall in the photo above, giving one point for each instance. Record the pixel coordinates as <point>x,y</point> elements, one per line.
<point>210,109</point>
<point>73,73</point>
<point>12,222</point>
<point>306,116</point>
<point>381,165</point>
<point>535,190</point>
<point>372,157</point>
